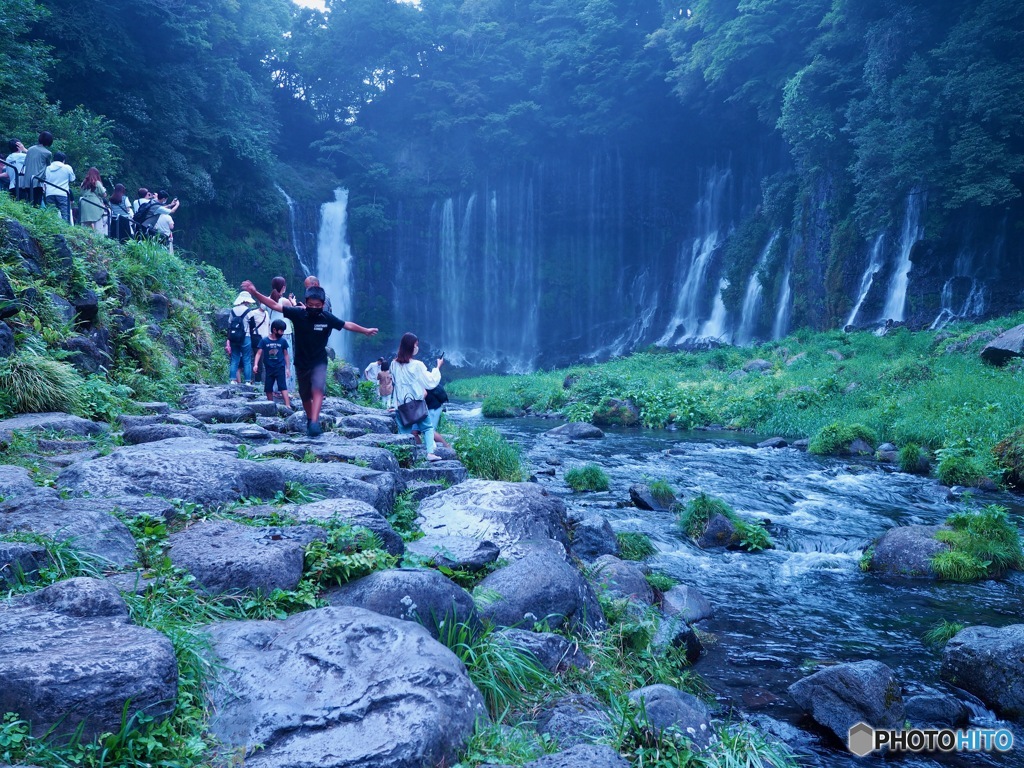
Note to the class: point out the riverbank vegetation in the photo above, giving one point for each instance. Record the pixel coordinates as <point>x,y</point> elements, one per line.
<point>926,389</point>
<point>982,543</point>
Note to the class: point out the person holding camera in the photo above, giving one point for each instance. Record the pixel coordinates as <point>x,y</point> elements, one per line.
<point>412,380</point>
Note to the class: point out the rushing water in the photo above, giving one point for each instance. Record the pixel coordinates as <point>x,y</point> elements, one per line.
<point>781,613</point>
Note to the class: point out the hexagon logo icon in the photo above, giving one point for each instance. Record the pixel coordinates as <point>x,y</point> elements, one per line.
<point>861,739</point>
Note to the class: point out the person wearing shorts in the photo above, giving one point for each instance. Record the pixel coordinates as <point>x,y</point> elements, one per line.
<point>274,351</point>
<point>312,328</point>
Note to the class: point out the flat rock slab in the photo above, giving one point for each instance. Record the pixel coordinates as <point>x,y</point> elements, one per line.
<point>86,524</point>
<point>369,423</point>
<point>839,697</point>
<point>575,430</point>
<point>71,657</point>
<point>223,414</point>
<point>240,433</point>
<point>205,473</point>
<point>907,550</point>
<point>338,480</point>
<point>340,688</point>
<point>989,662</point>
<point>353,512</point>
<point>331,448</point>
<point>508,514</point>
<point>64,423</point>
<point>455,552</point>
<point>230,557</point>
<point>445,472</point>
<point>151,433</point>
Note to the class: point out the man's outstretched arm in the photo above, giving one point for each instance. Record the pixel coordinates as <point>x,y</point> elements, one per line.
<point>265,300</point>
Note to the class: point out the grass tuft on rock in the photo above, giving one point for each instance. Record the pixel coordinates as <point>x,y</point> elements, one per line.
<point>701,509</point>
<point>835,437</point>
<point>589,477</point>
<point>634,545</point>
<point>983,544</point>
<point>487,455</point>
<point>942,633</point>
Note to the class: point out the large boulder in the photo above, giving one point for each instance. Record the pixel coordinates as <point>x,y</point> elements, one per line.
<point>667,707</point>
<point>87,525</point>
<point>509,514</point>
<point>592,537</point>
<point>575,430</point>
<point>15,481</point>
<point>575,719</point>
<point>225,556</point>
<point>455,552</point>
<point>411,594</point>
<point>620,579</point>
<point>339,688</point>
<point>72,659</point>
<point>50,422</point>
<point>907,550</point>
<point>378,489</point>
<point>205,473</point>
<point>356,513</point>
<point>539,587</point>
<point>1004,347</point>
<point>933,709</point>
<point>988,662</point>
<point>687,603</point>
<point>554,652</point>
<point>839,697</point>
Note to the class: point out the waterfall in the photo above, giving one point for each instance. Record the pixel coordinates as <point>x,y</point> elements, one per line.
<point>781,325</point>
<point>685,321</point>
<point>334,265</point>
<point>294,229</point>
<point>868,278</point>
<point>752,298</point>
<point>452,255</point>
<point>973,303</point>
<point>895,303</point>
<point>715,328</point>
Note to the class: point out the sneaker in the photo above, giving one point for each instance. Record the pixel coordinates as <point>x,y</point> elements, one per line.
<point>314,429</point>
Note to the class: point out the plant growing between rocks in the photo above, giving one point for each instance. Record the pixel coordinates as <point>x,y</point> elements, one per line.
<point>700,510</point>
<point>487,455</point>
<point>983,544</point>
<point>634,545</point>
<point>589,477</point>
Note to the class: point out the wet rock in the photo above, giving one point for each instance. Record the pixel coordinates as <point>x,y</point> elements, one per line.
<point>758,365</point>
<point>554,652</point>
<point>988,662</point>
<point>721,532</point>
<point>575,719</point>
<point>20,561</point>
<point>72,659</point>
<point>358,514</point>
<point>620,579</point>
<point>1004,347</point>
<point>205,473</point>
<point>668,707</point>
<point>839,697</point>
<point>225,556</point>
<point>508,514</point>
<point>907,550</point>
<point>336,480</point>
<point>575,430</point>
<point>643,498</point>
<point>592,537</point>
<point>774,442</point>
<point>151,433</point>
<point>455,552</point>
<point>411,594</point>
<point>540,587</point>
<point>675,633</point>
<point>339,688</point>
<point>64,423</point>
<point>86,523</point>
<point>581,756</point>
<point>936,710</point>
<point>687,603</point>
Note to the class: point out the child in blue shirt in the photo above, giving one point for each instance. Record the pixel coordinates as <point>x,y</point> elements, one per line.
<point>274,351</point>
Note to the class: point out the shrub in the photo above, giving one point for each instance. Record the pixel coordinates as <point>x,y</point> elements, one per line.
<point>982,543</point>
<point>634,546</point>
<point>488,455</point>
<point>1009,456</point>
<point>913,460</point>
<point>958,467</point>
<point>835,437</point>
<point>589,477</point>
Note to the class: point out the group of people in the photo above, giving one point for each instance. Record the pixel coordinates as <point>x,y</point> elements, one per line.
<point>43,177</point>
<point>303,328</point>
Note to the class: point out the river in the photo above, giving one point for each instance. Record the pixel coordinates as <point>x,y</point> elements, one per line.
<point>780,614</point>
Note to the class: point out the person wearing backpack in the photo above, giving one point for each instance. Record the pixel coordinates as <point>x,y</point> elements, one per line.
<point>239,343</point>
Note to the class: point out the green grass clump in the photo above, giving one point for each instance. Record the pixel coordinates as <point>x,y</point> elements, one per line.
<point>959,467</point>
<point>487,455</point>
<point>634,546</point>
<point>913,460</point>
<point>589,477</point>
<point>403,517</point>
<point>983,544</point>
<point>662,492</point>
<point>700,510</point>
<point>498,407</point>
<point>661,582</point>
<point>32,383</point>
<point>942,633</point>
<point>835,437</point>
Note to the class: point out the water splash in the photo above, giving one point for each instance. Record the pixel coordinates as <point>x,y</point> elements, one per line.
<point>868,278</point>
<point>752,298</point>
<point>715,327</point>
<point>334,265</point>
<point>913,231</point>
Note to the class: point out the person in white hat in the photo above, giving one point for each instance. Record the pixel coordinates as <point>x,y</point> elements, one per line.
<point>241,323</point>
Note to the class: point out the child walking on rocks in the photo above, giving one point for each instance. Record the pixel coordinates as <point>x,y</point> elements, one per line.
<point>313,328</point>
<point>274,351</point>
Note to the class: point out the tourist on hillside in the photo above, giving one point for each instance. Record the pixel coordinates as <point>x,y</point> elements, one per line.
<point>370,372</point>
<point>259,329</point>
<point>273,353</point>
<point>37,157</point>
<point>412,380</point>
<point>386,385</point>
<point>15,179</point>
<point>120,214</point>
<point>313,328</point>
<point>58,177</point>
<point>239,343</point>
<point>92,205</point>
<point>313,281</point>
<point>156,217</point>
<point>278,287</point>
<point>144,196</point>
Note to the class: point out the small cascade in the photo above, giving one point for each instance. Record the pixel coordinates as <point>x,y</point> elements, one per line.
<point>964,284</point>
<point>714,327</point>
<point>913,231</point>
<point>334,265</point>
<point>781,325</point>
<point>752,298</point>
<point>868,278</point>
<point>685,322</point>
<point>294,230</point>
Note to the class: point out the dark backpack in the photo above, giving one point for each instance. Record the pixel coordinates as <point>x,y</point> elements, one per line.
<point>143,213</point>
<point>436,397</point>
<point>237,330</point>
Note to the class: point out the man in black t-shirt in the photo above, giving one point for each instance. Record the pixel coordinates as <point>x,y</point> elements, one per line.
<point>313,328</point>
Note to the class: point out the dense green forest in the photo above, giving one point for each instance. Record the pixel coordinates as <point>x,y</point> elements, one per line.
<point>861,102</point>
